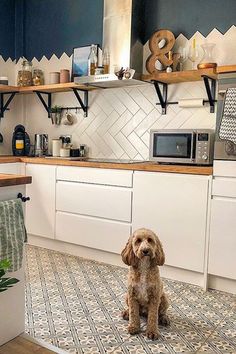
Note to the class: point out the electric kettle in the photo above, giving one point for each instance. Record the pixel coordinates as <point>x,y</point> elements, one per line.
<point>40,144</point>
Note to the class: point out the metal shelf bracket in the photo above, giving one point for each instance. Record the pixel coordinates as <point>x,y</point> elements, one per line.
<point>84,105</point>
<point>211,91</point>
<point>4,107</point>
<point>47,105</point>
<point>161,95</point>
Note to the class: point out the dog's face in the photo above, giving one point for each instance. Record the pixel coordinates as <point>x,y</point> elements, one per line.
<point>143,243</point>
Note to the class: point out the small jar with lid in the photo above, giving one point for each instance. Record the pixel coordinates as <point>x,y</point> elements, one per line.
<point>25,74</point>
<point>38,78</point>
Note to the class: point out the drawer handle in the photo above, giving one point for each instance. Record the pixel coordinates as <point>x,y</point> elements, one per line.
<point>24,199</point>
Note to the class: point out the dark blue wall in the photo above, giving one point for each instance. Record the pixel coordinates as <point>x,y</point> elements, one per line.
<point>34,28</point>
<point>7,29</point>
<point>57,26</point>
<point>189,16</point>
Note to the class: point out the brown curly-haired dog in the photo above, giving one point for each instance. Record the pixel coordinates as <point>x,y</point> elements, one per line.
<point>144,253</point>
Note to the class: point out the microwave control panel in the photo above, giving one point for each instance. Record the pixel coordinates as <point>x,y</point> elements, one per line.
<point>203,148</point>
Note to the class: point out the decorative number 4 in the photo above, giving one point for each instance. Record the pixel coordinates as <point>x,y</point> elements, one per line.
<point>160,52</point>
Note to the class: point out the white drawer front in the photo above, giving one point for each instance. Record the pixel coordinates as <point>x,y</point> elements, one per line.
<point>86,231</point>
<point>96,175</point>
<point>224,168</point>
<point>93,200</point>
<point>225,187</point>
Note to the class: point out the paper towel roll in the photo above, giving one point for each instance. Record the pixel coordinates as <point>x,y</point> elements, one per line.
<point>191,103</point>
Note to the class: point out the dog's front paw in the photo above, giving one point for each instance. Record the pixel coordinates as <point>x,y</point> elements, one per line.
<point>164,320</point>
<point>152,334</point>
<point>133,329</point>
<point>125,315</point>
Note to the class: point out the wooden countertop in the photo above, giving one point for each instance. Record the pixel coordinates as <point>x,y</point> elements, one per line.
<point>139,166</point>
<point>13,180</point>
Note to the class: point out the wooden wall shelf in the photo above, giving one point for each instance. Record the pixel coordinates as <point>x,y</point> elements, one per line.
<point>54,88</point>
<point>181,76</point>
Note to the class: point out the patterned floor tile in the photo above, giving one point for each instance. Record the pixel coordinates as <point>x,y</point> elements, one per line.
<point>76,304</point>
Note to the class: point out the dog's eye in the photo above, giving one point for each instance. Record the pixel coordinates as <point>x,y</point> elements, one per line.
<point>138,240</point>
<point>149,240</point>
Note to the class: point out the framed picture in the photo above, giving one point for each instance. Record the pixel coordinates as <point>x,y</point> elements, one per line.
<point>80,60</point>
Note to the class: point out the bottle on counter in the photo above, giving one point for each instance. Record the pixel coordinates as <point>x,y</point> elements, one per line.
<point>92,60</point>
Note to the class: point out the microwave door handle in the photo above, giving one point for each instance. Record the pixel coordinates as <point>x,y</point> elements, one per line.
<point>193,145</point>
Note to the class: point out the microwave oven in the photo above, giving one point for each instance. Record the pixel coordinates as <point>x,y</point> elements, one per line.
<point>187,146</point>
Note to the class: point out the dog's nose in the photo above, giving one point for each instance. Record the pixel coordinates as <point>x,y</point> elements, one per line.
<point>145,252</point>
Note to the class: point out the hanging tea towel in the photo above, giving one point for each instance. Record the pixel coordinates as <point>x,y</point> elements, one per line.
<point>227,130</point>
<point>12,233</point>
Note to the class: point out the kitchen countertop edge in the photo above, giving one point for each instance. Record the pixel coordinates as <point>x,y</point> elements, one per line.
<point>139,166</point>
<point>7,180</point>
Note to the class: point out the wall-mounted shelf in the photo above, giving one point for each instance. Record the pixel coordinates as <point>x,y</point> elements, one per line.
<point>47,90</point>
<point>181,76</point>
<point>164,79</point>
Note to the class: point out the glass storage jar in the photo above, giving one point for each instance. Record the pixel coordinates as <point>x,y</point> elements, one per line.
<point>38,78</point>
<point>25,74</point>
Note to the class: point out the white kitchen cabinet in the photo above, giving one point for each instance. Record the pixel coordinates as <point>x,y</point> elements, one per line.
<point>94,200</point>
<point>222,245</point>
<point>12,168</point>
<point>175,207</point>
<point>94,207</point>
<point>222,249</point>
<point>40,210</point>
<point>103,234</point>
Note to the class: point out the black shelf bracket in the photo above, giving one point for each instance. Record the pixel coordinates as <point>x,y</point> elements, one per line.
<point>161,95</point>
<point>3,106</point>
<point>47,105</point>
<point>211,91</point>
<point>84,105</point>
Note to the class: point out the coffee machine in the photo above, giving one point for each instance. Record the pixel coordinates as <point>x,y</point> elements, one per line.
<point>20,141</point>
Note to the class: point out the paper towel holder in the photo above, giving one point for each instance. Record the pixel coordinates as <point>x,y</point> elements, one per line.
<point>162,96</point>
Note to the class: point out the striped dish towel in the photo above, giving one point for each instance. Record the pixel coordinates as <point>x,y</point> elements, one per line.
<point>227,130</point>
<point>12,233</point>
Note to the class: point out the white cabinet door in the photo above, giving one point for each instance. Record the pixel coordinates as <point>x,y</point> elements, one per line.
<point>12,168</point>
<point>40,210</point>
<point>222,249</point>
<point>175,207</point>
<point>106,235</point>
<point>94,200</point>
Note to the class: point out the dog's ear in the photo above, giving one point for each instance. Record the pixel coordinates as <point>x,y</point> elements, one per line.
<point>159,258</point>
<point>128,256</point>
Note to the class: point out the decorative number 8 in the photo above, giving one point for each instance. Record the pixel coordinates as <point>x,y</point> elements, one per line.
<point>159,54</point>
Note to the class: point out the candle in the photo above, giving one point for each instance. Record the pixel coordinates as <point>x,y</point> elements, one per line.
<point>194,43</point>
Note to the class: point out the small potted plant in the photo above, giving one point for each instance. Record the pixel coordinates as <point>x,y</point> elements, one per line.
<point>56,115</point>
<point>6,282</point>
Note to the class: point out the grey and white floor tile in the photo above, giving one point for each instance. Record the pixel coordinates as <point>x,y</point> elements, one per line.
<point>75,304</point>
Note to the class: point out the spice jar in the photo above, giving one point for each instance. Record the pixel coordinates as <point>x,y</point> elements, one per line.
<point>25,74</point>
<point>38,78</point>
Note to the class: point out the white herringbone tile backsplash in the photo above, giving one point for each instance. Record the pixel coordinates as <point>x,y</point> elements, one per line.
<point>119,120</point>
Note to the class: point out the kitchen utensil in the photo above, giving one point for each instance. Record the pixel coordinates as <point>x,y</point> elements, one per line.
<point>41,144</point>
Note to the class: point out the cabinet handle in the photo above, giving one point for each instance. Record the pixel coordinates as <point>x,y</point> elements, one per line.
<point>24,199</point>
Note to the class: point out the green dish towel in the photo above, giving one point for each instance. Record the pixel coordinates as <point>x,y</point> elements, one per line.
<point>12,233</point>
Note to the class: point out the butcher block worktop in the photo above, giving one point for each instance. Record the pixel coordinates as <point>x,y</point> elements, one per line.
<point>13,180</point>
<point>136,166</point>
